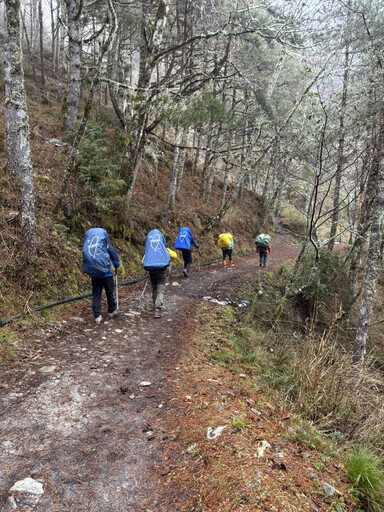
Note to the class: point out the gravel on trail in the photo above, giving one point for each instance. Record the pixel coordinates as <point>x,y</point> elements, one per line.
<point>82,406</point>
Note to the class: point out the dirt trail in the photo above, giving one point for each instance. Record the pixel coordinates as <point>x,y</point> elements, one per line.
<point>73,413</point>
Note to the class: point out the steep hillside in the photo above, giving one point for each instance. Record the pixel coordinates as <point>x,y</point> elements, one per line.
<point>96,198</point>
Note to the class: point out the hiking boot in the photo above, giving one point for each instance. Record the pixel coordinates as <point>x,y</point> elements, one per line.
<point>98,320</point>
<point>114,313</point>
<point>157,313</point>
<point>224,263</point>
<point>185,272</point>
<point>231,264</point>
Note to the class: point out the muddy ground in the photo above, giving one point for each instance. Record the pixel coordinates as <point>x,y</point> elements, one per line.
<point>73,413</point>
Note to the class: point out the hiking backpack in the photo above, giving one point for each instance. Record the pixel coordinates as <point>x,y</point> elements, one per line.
<point>224,241</point>
<point>263,241</point>
<point>96,258</point>
<point>183,239</point>
<point>156,256</point>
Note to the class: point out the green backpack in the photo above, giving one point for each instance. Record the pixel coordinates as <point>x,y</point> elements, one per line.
<point>263,241</point>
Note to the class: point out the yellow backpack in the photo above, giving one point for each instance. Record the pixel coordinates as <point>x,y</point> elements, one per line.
<point>224,240</point>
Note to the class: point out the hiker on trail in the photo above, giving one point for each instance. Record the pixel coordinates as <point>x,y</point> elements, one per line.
<point>99,259</point>
<point>263,247</point>
<point>156,261</point>
<point>183,244</point>
<point>225,242</point>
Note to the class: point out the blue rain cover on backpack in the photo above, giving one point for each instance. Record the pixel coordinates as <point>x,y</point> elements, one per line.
<point>96,259</point>
<point>184,239</point>
<point>156,256</point>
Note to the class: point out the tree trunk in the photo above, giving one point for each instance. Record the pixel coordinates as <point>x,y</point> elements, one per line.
<point>151,37</point>
<point>114,90</point>
<point>41,41</point>
<point>207,160</point>
<point>374,258</point>
<point>28,45</point>
<point>211,170</point>
<point>211,179</point>
<point>196,159</point>
<point>171,197</point>
<point>57,33</point>
<point>340,156</point>
<point>33,26</point>
<point>226,171</point>
<point>16,120</point>
<point>231,142</point>
<point>183,152</point>
<point>53,36</point>
<point>365,212</point>
<point>60,37</point>
<point>74,33</point>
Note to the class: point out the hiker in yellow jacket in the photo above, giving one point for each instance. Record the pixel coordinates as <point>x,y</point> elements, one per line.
<point>225,242</point>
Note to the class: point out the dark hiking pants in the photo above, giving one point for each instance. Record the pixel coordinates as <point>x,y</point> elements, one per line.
<point>98,283</point>
<point>227,252</point>
<point>187,257</point>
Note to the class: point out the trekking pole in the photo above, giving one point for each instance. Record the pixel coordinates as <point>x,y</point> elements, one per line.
<point>117,293</point>
<point>145,286</point>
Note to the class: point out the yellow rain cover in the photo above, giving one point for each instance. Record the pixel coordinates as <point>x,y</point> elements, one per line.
<point>224,240</point>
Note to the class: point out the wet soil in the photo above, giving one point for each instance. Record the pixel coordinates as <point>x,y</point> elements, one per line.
<point>74,414</point>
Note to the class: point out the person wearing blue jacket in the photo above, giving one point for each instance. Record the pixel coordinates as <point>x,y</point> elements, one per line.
<point>156,261</point>
<point>99,260</point>
<point>183,244</point>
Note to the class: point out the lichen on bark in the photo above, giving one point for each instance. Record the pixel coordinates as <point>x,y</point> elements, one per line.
<point>18,155</point>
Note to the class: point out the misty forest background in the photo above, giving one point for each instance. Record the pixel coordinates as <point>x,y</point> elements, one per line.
<point>221,115</point>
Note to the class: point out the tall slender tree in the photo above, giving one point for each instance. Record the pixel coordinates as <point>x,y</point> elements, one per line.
<point>375,253</point>
<point>41,42</point>
<point>74,10</point>
<point>16,120</point>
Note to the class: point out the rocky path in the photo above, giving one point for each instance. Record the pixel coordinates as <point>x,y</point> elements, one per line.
<point>82,406</point>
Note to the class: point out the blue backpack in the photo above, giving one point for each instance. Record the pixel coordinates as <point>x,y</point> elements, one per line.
<point>156,256</point>
<point>96,258</point>
<point>184,239</point>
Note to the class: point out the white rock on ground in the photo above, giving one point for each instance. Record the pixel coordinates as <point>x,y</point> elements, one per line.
<point>47,369</point>
<point>24,495</point>
<point>264,445</point>
<point>214,432</point>
<point>10,505</point>
<point>331,491</point>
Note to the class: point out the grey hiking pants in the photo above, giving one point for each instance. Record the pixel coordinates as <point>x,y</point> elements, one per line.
<point>158,286</point>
